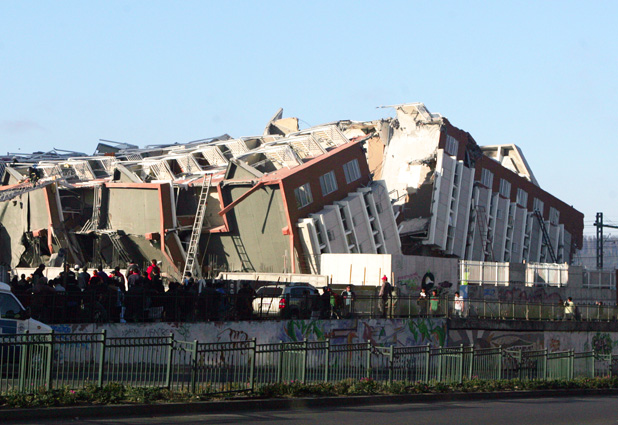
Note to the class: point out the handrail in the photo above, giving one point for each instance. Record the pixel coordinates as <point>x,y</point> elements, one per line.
<point>191,306</point>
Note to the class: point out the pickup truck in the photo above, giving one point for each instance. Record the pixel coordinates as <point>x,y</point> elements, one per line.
<point>291,301</point>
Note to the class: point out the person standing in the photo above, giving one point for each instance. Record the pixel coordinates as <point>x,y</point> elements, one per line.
<point>153,270</point>
<point>434,303</point>
<point>58,286</point>
<point>134,279</point>
<point>385,293</point>
<point>131,267</point>
<point>244,301</point>
<point>13,284</point>
<point>458,304</point>
<point>348,301</point>
<point>104,277</point>
<point>325,306</point>
<point>39,271</point>
<point>23,286</point>
<point>118,279</point>
<point>569,309</point>
<point>83,278</point>
<point>422,302</point>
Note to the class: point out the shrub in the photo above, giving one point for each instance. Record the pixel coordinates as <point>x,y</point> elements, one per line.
<point>114,393</point>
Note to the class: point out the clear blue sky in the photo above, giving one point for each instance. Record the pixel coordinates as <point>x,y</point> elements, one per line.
<point>542,75</point>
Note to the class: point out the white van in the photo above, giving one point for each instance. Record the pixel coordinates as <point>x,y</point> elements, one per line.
<point>14,319</point>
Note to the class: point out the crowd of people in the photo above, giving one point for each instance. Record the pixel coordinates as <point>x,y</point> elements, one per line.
<point>83,295</point>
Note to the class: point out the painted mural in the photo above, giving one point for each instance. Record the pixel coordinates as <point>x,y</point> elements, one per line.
<point>385,332</point>
<point>541,294</point>
<point>601,342</point>
<point>413,273</point>
<point>492,339</point>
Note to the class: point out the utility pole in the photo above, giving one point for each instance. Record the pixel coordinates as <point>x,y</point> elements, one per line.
<point>599,225</point>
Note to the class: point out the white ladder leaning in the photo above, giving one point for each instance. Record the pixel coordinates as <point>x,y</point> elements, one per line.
<point>197,226</point>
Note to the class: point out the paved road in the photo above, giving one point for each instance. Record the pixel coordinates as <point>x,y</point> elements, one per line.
<point>601,410</point>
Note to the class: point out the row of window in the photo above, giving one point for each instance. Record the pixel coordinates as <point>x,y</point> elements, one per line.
<point>328,183</point>
<point>487,179</point>
<point>452,146</point>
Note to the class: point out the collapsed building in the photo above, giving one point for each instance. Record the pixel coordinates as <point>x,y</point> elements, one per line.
<point>277,202</point>
<point>223,203</point>
<point>456,198</point>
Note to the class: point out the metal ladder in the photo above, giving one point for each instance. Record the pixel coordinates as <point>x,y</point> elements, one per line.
<point>123,255</point>
<point>197,226</point>
<point>546,239</point>
<point>7,195</point>
<point>245,261</point>
<point>481,222</point>
<point>93,222</point>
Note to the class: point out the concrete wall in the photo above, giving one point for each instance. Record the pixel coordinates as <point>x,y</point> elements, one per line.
<point>409,271</point>
<point>543,294</point>
<point>397,332</point>
<point>135,211</point>
<point>357,269</point>
<point>313,279</point>
<point>604,342</point>
<point>14,224</point>
<point>260,220</point>
<point>25,213</point>
<point>39,216</point>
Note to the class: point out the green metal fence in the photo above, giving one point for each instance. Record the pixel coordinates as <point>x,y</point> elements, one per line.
<point>485,363</point>
<point>32,361</point>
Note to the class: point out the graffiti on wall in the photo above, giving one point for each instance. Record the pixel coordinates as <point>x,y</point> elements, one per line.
<point>395,332</point>
<point>546,295</point>
<point>411,284</point>
<point>601,342</point>
<point>492,339</point>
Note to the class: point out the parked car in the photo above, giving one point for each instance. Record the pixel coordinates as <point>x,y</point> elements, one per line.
<point>14,318</point>
<point>291,301</point>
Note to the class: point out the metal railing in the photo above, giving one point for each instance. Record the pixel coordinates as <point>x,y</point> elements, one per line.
<point>599,279</point>
<point>499,274</point>
<point>85,307</point>
<point>548,274</point>
<point>521,310</point>
<point>484,273</point>
<point>32,361</point>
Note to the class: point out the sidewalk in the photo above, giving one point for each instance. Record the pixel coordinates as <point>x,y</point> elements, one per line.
<point>236,405</point>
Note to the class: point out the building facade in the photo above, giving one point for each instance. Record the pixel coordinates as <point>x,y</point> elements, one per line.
<point>456,198</point>
<point>412,184</point>
<point>224,204</point>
